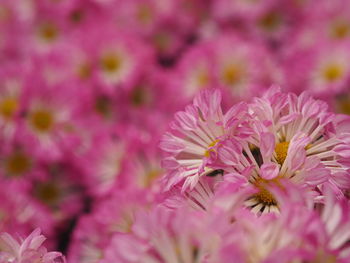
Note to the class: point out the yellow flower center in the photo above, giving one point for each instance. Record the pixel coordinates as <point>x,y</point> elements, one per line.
<point>281,151</point>
<point>48,192</point>
<point>333,72</point>
<point>144,14</point>
<point>84,70</point>
<point>111,62</point>
<point>203,78</point>
<point>42,120</point>
<point>341,30</point>
<point>232,74</point>
<point>207,152</point>
<point>8,107</point>
<point>139,96</point>
<point>343,104</point>
<point>264,196</point>
<point>271,21</point>
<point>48,32</point>
<point>150,176</point>
<point>17,164</point>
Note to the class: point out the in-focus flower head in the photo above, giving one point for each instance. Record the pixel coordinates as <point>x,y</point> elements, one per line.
<point>191,144</point>
<point>277,137</point>
<point>295,138</point>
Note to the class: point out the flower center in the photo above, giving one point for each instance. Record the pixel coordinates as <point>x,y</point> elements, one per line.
<point>18,163</point>
<point>48,32</point>
<point>48,192</point>
<point>203,78</point>
<point>343,104</point>
<point>8,107</point>
<point>341,30</point>
<point>84,71</point>
<point>232,74</point>
<point>139,96</point>
<point>264,196</point>
<point>111,62</point>
<point>271,21</point>
<point>208,151</point>
<point>42,120</point>
<point>333,72</point>
<point>281,151</point>
<point>144,14</point>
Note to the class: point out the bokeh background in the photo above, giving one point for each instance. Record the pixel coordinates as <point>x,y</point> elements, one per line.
<point>88,87</point>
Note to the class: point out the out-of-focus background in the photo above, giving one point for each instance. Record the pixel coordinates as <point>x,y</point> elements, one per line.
<point>88,87</point>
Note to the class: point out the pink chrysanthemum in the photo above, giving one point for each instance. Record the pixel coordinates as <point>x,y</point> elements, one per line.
<point>294,138</point>
<point>195,133</point>
<point>27,250</point>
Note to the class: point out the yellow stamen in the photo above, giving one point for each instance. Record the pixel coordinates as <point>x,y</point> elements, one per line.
<point>341,30</point>
<point>343,104</point>
<point>207,152</point>
<point>17,164</point>
<point>264,196</point>
<point>232,74</point>
<point>42,120</point>
<point>281,151</point>
<point>333,72</point>
<point>84,70</point>
<point>150,177</point>
<point>48,32</point>
<point>48,192</point>
<point>203,78</point>
<point>271,21</point>
<point>111,62</point>
<point>139,96</point>
<point>8,107</point>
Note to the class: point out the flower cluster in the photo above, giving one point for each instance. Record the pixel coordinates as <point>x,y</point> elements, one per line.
<point>101,155</point>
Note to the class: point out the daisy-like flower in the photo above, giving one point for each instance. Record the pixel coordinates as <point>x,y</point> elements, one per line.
<point>20,214</point>
<point>195,133</point>
<point>117,57</point>
<point>295,138</point>
<point>94,232</point>
<point>48,119</point>
<point>330,21</point>
<point>241,72</point>
<point>30,249</point>
<point>164,235</point>
<point>9,106</point>
<point>239,69</point>
<point>322,69</point>
<point>301,233</point>
<point>103,165</point>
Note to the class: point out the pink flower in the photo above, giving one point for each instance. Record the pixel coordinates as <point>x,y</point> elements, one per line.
<point>320,69</point>
<point>298,141</point>
<point>191,146</point>
<point>299,232</point>
<point>164,235</point>
<point>27,250</point>
<point>240,72</point>
<point>110,216</point>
